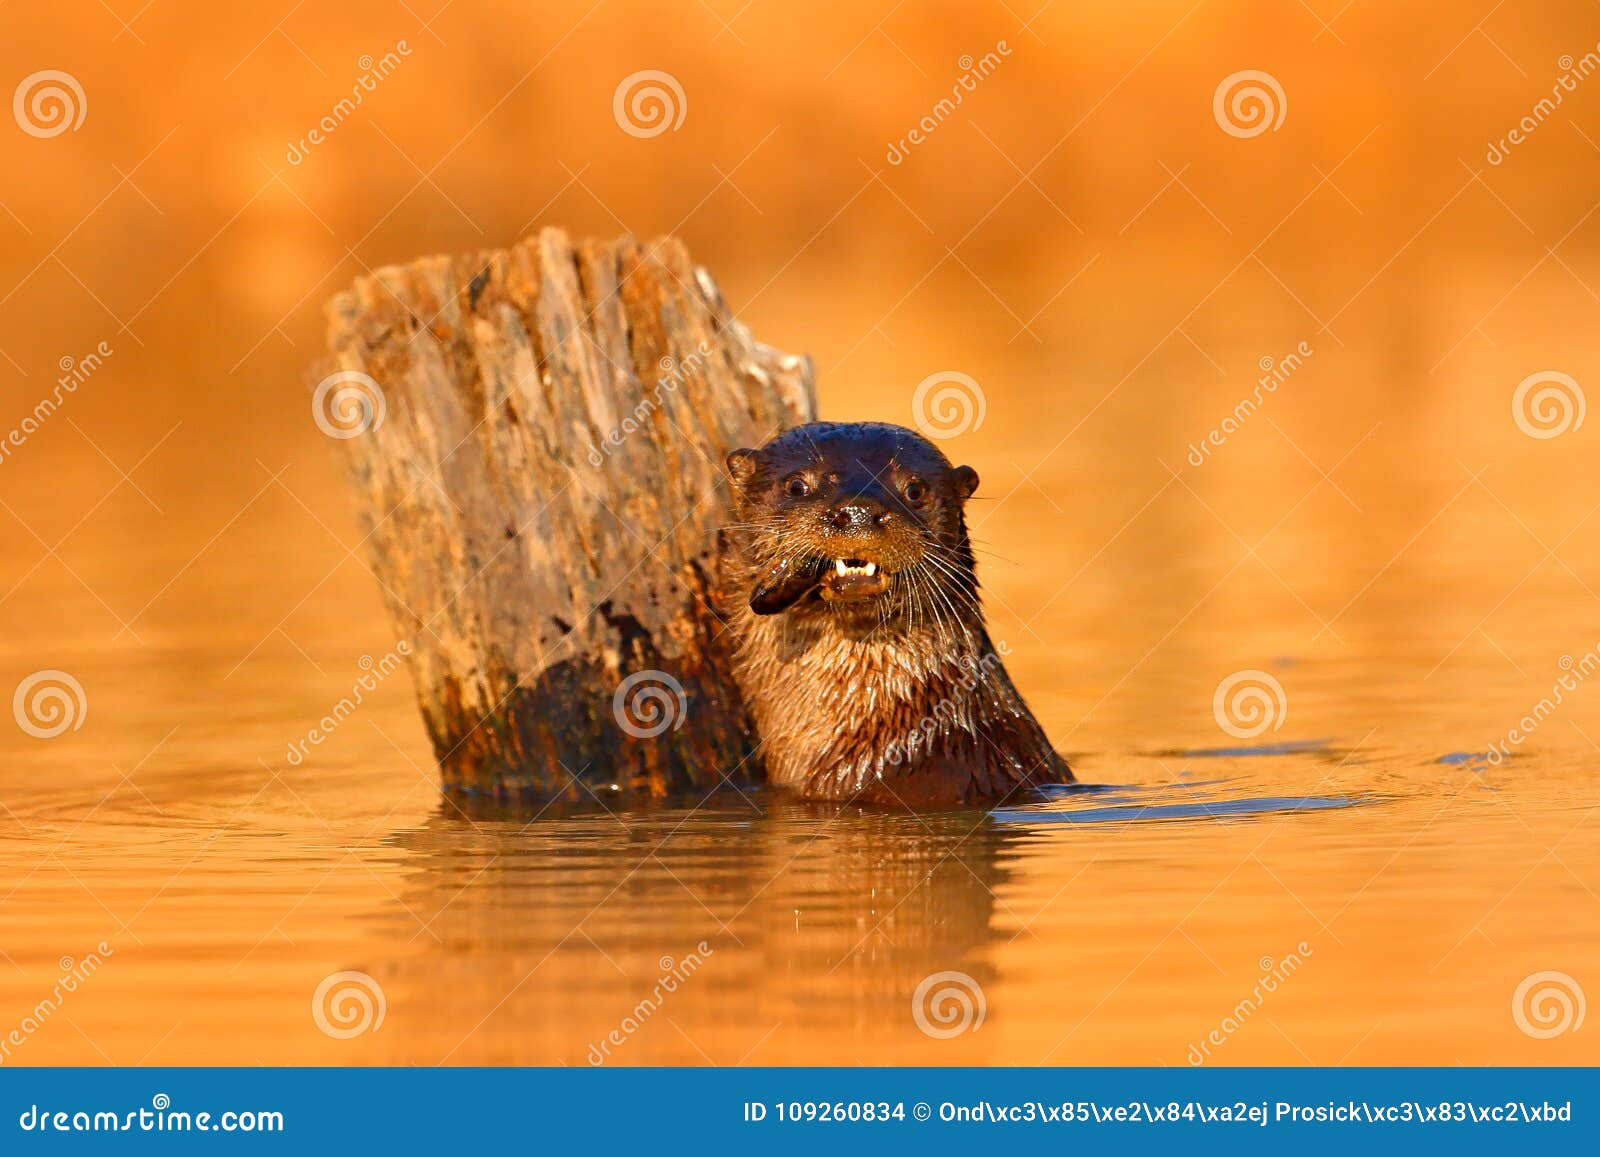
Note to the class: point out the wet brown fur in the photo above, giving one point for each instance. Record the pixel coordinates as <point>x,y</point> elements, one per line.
<point>896,698</point>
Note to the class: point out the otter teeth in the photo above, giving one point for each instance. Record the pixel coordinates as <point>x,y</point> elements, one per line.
<point>840,567</point>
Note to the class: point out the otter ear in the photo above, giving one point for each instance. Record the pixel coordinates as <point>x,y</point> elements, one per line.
<point>741,465</point>
<point>965,481</point>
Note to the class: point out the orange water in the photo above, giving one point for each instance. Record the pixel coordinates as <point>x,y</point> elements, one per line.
<point>1413,895</point>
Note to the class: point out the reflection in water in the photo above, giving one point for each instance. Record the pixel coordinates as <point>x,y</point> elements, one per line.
<point>827,915</point>
<point>1096,924</point>
<point>1154,810</point>
<point>1319,746</point>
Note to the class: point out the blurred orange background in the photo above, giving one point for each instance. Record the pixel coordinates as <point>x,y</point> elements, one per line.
<point>1078,235</point>
<point>1082,236</point>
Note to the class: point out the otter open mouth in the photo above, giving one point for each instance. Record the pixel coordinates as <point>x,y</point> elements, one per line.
<point>788,581</point>
<point>853,578</point>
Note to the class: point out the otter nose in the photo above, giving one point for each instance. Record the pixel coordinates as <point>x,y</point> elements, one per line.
<point>858,516</point>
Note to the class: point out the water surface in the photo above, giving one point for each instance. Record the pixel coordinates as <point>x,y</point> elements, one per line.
<point>1406,890</point>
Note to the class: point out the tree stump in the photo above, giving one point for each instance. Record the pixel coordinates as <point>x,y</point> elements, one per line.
<point>536,437</point>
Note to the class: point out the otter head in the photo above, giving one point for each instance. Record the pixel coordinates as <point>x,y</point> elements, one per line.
<point>857,520</point>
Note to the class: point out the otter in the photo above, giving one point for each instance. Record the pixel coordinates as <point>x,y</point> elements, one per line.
<point>859,646</point>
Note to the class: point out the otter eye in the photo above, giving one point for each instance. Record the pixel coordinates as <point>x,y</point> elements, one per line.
<point>916,490</point>
<point>797,487</point>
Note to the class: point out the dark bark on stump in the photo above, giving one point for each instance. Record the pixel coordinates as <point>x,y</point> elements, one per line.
<point>539,474</point>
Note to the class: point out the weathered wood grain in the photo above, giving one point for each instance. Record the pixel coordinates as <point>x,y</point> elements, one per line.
<point>541,498</point>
